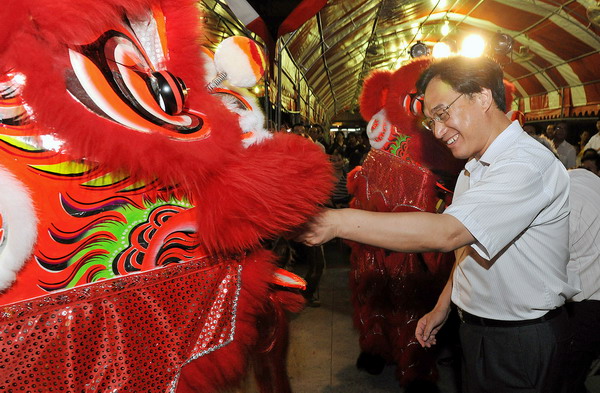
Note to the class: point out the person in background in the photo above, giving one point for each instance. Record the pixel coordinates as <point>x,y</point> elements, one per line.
<point>549,132</point>
<point>320,135</point>
<point>366,146</point>
<point>284,128</point>
<point>355,150</point>
<point>339,196</point>
<point>315,134</point>
<point>594,142</point>
<point>508,223</point>
<point>566,152</point>
<point>583,140</point>
<point>584,272</point>
<point>299,129</point>
<point>530,129</point>
<point>591,161</point>
<point>339,143</point>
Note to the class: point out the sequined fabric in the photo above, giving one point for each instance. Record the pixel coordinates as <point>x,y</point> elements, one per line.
<point>392,290</point>
<point>128,334</point>
<point>390,183</point>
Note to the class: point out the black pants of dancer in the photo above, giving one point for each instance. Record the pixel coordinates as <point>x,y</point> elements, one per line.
<point>316,263</point>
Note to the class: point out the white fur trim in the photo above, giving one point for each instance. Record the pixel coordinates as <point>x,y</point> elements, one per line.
<point>19,223</point>
<point>236,63</point>
<point>251,121</point>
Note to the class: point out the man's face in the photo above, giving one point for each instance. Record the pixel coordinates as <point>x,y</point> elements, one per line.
<point>598,125</point>
<point>463,132</point>
<point>550,131</point>
<point>337,161</point>
<point>560,132</point>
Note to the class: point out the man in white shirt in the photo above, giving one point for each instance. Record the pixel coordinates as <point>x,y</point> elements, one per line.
<point>584,272</point>
<point>594,142</point>
<point>509,218</point>
<point>566,152</point>
<point>591,163</point>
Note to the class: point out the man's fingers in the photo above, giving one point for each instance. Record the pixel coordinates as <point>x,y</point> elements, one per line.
<point>421,332</point>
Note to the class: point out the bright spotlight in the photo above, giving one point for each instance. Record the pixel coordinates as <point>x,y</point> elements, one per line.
<point>441,49</point>
<point>472,46</point>
<point>445,28</point>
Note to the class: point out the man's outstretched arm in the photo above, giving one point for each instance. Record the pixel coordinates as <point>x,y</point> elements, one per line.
<point>403,232</point>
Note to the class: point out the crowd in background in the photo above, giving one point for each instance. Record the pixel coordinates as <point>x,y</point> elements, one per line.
<point>351,146</point>
<point>574,148</point>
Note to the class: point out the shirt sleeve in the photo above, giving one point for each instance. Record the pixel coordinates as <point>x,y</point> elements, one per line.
<point>501,205</point>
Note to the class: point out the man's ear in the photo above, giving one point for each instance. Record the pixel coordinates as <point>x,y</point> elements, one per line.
<point>484,98</point>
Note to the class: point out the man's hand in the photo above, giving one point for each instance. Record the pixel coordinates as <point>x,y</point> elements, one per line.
<point>320,229</point>
<point>429,325</point>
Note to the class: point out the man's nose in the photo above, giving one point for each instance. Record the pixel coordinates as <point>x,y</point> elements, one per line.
<point>439,129</point>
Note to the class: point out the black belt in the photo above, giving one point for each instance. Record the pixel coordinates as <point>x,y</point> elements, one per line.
<point>465,317</point>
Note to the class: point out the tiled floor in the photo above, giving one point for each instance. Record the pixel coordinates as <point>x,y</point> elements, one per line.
<point>324,345</point>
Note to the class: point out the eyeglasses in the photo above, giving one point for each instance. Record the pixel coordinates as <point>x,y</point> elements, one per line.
<point>440,115</point>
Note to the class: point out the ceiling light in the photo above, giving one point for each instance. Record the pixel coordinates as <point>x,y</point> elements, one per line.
<point>445,28</point>
<point>441,49</point>
<point>419,49</point>
<point>472,46</point>
<point>502,43</point>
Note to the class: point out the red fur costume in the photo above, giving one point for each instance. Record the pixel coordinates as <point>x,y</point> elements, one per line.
<point>130,231</point>
<point>392,290</point>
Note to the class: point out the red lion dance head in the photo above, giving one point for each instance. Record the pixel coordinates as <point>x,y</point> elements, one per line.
<point>138,182</point>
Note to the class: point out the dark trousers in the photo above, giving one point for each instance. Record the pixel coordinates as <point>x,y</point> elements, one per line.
<point>585,348</point>
<point>316,263</point>
<point>524,359</point>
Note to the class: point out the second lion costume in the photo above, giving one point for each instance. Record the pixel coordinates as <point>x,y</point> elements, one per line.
<point>406,170</point>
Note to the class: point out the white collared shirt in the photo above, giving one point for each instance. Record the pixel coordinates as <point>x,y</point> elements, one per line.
<point>584,222</point>
<point>593,143</point>
<point>567,154</point>
<point>515,202</point>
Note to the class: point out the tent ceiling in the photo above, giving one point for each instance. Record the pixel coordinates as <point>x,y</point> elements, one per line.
<point>555,44</point>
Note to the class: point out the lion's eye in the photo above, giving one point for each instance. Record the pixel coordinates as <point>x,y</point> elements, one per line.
<point>114,78</point>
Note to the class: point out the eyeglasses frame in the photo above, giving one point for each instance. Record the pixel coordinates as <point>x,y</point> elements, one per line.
<point>443,115</point>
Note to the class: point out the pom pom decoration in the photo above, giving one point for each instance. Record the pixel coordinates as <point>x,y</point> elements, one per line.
<point>239,60</point>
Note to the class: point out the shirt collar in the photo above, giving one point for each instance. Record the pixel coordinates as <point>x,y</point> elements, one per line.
<point>502,142</point>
